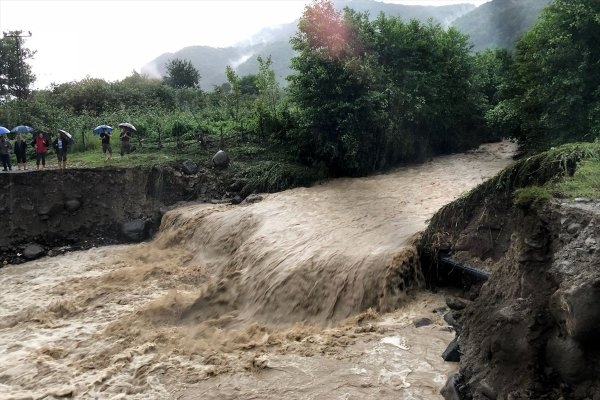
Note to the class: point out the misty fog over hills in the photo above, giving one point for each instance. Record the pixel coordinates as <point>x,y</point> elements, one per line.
<point>494,24</point>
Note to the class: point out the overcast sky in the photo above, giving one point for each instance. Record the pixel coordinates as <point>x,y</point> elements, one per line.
<point>111,38</point>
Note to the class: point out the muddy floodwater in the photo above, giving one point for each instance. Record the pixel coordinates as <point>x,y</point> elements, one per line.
<point>310,293</point>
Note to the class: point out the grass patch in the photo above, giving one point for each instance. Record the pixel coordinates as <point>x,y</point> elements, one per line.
<point>584,183</point>
<point>254,167</point>
<point>170,154</point>
<point>532,196</point>
<point>274,176</point>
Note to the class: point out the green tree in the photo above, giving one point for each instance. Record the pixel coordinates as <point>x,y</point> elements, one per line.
<point>371,93</point>
<point>181,74</point>
<point>16,75</point>
<point>248,84</point>
<point>235,93</point>
<point>556,78</point>
<point>268,95</point>
<point>88,95</point>
<point>326,94</point>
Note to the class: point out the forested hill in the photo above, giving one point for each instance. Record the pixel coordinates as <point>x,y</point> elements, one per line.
<point>497,23</point>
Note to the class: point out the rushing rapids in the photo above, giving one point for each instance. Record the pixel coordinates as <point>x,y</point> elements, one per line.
<point>304,295</point>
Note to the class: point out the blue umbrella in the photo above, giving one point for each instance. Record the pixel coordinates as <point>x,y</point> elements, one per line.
<point>21,129</point>
<point>3,130</point>
<point>101,128</point>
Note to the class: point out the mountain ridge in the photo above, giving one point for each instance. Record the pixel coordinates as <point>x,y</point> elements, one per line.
<point>274,41</point>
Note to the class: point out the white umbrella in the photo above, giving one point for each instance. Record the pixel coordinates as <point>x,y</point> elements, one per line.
<point>67,134</point>
<point>128,126</point>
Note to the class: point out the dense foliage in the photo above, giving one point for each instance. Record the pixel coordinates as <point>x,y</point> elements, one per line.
<point>553,94</point>
<point>366,94</point>
<point>370,94</point>
<point>16,75</point>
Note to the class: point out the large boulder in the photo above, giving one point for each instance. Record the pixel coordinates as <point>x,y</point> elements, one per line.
<point>135,231</point>
<point>220,160</point>
<point>33,251</point>
<point>189,167</point>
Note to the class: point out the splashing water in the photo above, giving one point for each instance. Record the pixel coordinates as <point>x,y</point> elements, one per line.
<point>307,294</point>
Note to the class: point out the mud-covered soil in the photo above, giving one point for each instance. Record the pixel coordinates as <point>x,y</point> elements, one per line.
<point>81,208</point>
<point>532,331</point>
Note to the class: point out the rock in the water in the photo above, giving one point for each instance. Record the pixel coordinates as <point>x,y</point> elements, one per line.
<point>455,303</point>
<point>422,322</point>
<point>449,390</point>
<point>452,318</point>
<point>134,231</point>
<point>452,352</point>
<point>236,200</point>
<point>253,198</point>
<point>33,251</point>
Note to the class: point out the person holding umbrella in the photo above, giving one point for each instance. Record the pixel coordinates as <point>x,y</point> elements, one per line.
<point>61,145</point>
<point>5,149</point>
<point>106,149</point>
<point>125,140</point>
<point>21,152</point>
<point>40,144</point>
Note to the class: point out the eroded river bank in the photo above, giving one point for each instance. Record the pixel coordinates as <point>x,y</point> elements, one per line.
<point>310,293</point>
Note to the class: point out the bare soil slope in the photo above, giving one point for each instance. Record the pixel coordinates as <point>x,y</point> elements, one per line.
<point>532,331</point>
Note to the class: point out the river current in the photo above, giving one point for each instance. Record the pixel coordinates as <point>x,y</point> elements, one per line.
<point>310,293</point>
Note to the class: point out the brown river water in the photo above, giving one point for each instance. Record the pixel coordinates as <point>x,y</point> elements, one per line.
<point>298,296</point>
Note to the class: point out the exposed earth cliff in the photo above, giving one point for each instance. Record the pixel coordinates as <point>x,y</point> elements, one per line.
<point>531,332</point>
<point>55,211</point>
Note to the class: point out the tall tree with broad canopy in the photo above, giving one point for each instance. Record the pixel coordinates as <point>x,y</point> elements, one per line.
<point>181,74</point>
<point>369,94</point>
<point>556,78</point>
<point>335,89</point>
<point>16,76</point>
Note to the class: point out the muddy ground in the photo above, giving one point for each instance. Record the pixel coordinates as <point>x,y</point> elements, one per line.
<point>76,209</point>
<point>532,331</point>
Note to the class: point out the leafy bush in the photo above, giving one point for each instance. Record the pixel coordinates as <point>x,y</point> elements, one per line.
<point>274,176</point>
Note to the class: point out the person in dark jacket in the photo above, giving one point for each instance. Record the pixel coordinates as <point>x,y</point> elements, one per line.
<point>20,149</point>
<point>5,149</point>
<point>106,149</point>
<point>61,145</point>
<point>125,141</point>
<point>40,144</point>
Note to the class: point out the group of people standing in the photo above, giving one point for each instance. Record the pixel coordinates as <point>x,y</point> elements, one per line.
<point>40,143</point>
<point>125,137</point>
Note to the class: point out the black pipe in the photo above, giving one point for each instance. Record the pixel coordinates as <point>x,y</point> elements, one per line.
<point>475,274</point>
